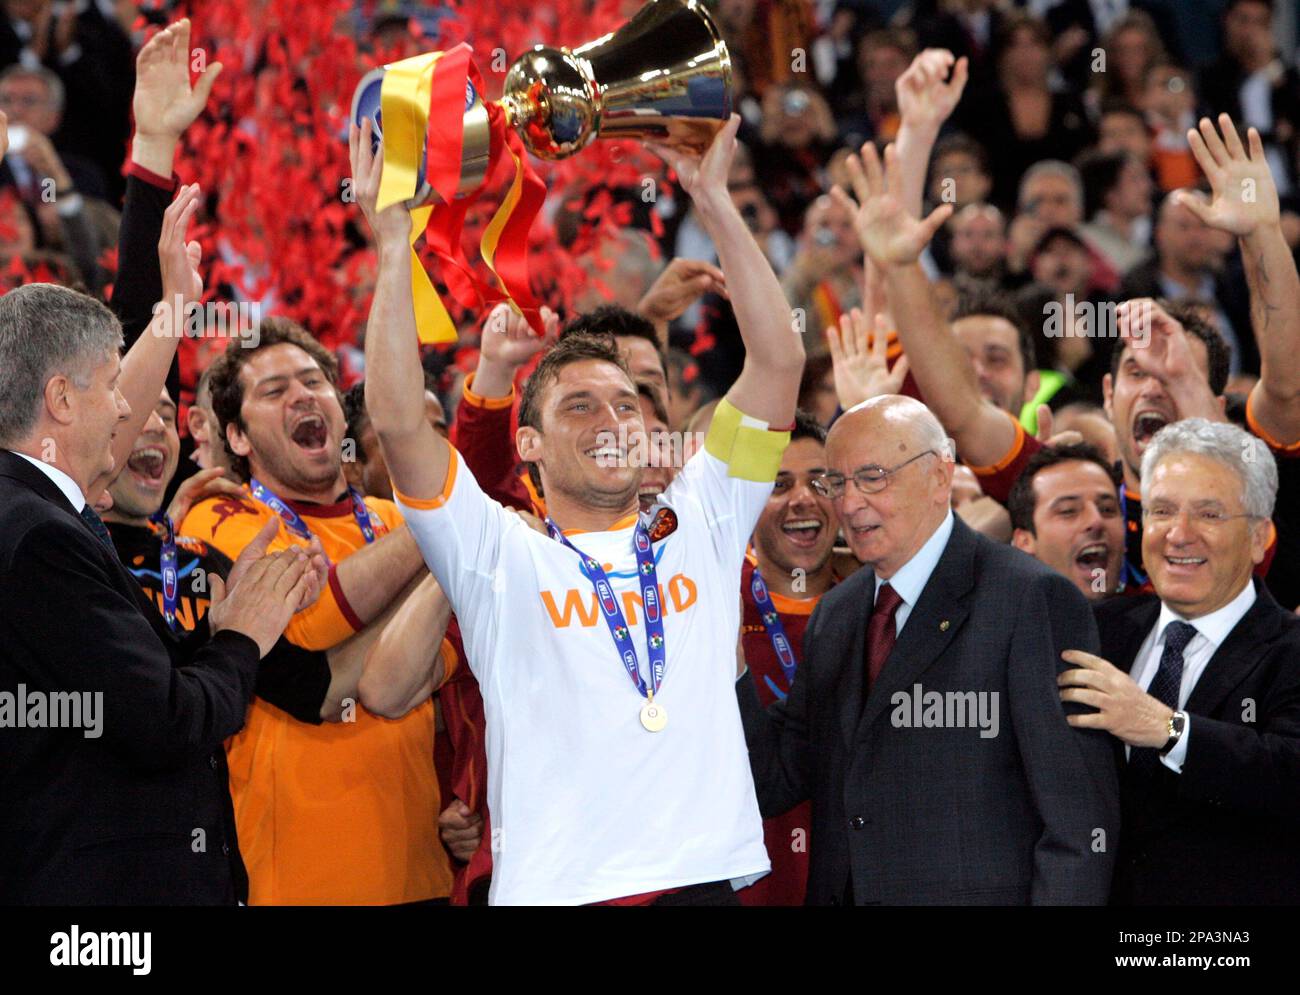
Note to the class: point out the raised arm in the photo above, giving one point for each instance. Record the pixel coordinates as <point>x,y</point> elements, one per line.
<point>893,239</point>
<point>418,457</point>
<point>146,364</point>
<point>1244,202</point>
<point>768,385</point>
<point>926,99</point>
<point>163,106</point>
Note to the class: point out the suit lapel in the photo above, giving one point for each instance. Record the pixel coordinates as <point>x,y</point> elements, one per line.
<point>853,664</point>
<point>1238,654</point>
<point>1122,638</point>
<point>935,619</point>
<point>18,469</point>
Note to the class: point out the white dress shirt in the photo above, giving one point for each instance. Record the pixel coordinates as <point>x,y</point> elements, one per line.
<point>61,480</point>
<point>910,579</point>
<point>1211,631</point>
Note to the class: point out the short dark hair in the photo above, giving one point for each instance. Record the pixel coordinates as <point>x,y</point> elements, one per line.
<point>1116,105</point>
<point>1021,502</point>
<point>610,319</point>
<point>1186,313</point>
<point>807,427</point>
<point>961,144</point>
<point>979,300</point>
<point>357,417</point>
<point>571,348</point>
<point>1100,172</point>
<point>228,389</point>
<point>656,402</point>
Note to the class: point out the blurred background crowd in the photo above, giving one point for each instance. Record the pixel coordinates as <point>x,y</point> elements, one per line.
<point>1058,159</point>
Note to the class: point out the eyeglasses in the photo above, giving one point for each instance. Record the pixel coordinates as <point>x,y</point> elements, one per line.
<point>1163,516</point>
<point>868,480</point>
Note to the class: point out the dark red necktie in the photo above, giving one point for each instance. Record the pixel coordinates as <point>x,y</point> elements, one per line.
<point>881,633</point>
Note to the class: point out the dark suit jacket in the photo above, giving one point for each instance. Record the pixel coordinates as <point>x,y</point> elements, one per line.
<point>942,815</point>
<point>1225,830</point>
<point>141,814</point>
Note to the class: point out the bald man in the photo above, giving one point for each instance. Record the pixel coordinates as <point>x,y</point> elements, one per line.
<point>924,722</point>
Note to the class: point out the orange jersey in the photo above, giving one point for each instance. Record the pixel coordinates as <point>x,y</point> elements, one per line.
<point>342,813</point>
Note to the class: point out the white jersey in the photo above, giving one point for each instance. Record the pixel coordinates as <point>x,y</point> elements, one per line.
<point>586,804</point>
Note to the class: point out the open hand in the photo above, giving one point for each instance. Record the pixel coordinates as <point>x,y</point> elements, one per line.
<point>1243,194</point>
<point>890,236</point>
<point>859,362</point>
<point>165,103</point>
<point>178,258</point>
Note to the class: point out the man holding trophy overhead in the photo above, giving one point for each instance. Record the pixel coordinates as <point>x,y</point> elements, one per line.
<point>605,650</point>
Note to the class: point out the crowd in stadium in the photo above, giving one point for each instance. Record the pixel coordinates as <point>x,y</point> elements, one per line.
<point>901,504</point>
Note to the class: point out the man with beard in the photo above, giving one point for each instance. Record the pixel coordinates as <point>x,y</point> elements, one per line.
<point>789,568</point>
<point>322,809</point>
<point>1065,512</point>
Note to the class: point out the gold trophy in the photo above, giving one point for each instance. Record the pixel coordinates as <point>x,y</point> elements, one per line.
<point>664,75</point>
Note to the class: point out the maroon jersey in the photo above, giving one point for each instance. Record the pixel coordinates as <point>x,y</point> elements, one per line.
<point>786,836</point>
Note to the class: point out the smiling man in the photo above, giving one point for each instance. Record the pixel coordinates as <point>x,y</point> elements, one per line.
<point>789,568</point>
<point>321,809</point>
<point>1065,512</point>
<point>1200,683</point>
<point>617,766</point>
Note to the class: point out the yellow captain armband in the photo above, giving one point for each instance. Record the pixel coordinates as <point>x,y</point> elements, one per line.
<point>750,449</point>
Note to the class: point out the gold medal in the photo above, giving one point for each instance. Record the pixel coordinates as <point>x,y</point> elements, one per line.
<point>653,716</point>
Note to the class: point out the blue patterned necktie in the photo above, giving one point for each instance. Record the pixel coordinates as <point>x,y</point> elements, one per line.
<point>96,525</point>
<point>1166,684</point>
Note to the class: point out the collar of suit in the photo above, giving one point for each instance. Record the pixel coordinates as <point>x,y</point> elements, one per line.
<point>1125,621</point>
<point>934,620</point>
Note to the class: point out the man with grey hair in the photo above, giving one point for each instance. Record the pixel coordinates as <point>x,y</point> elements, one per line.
<point>923,722</point>
<point>1200,683</point>
<point>116,818</point>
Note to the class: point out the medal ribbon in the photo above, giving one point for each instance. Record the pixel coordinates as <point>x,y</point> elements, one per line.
<point>613,613</point>
<point>167,565</point>
<point>775,629</point>
<point>293,521</point>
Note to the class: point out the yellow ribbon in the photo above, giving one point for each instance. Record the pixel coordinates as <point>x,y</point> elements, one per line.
<point>404,103</point>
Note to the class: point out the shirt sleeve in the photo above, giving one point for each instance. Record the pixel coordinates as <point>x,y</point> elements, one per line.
<point>1176,757</point>
<point>731,477</point>
<point>230,524</point>
<point>460,532</point>
<point>996,480</point>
